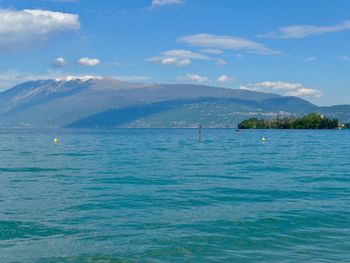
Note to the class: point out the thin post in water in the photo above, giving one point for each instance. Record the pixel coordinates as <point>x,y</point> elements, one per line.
<point>200,132</point>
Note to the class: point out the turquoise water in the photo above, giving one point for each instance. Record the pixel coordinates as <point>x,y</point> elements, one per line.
<point>160,196</point>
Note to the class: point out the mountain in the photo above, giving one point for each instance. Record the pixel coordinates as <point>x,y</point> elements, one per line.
<point>96,102</point>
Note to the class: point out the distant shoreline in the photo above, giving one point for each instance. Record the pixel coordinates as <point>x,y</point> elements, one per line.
<point>312,121</point>
<point>154,128</point>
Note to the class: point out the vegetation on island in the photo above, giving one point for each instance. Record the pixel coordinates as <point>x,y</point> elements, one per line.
<point>310,121</point>
<point>346,126</point>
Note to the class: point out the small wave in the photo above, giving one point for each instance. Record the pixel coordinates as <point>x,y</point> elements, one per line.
<point>32,169</point>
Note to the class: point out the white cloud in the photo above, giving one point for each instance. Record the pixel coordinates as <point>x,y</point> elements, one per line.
<point>226,42</point>
<point>225,79</point>
<point>185,54</point>
<point>221,62</point>
<point>178,57</point>
<point>59,62</point>
<point>310,59</point>
<point>90,62</point>
<point>305,92</point>
<point>172,61</point>
<point>212,51</point>
<point>301,31</point>
<point>193,77</point>
<point>20,28</point>
<point>285,88</point>
<point>160,3</point>
<point>278,85</point>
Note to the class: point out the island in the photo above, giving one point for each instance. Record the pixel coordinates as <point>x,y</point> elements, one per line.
<point>310,121</point>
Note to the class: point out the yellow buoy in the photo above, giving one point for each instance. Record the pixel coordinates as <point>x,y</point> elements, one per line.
<point>55,140</point>
<point>263,139</point>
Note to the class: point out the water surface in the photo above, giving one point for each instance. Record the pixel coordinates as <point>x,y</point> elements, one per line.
<point>161,196</point>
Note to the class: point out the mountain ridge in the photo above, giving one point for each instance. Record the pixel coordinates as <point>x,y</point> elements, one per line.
<point>72,101</point>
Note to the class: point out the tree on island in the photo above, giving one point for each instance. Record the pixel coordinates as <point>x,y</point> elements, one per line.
<point>310,121</point>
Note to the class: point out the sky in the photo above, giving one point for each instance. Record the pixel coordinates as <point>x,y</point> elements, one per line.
<point>293,48</point>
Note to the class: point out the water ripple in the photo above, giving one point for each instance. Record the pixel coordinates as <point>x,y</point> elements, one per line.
<point>161,196</point>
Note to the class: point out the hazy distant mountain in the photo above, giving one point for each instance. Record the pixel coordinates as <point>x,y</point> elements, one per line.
<point>92,102</point>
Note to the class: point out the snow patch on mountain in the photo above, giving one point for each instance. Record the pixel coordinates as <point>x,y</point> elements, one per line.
<point>79,78</point>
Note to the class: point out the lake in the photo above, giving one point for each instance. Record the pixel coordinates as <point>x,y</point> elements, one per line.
<point>159,195</point>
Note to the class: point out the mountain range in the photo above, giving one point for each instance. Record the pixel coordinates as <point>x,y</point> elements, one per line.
<point>97,102</point>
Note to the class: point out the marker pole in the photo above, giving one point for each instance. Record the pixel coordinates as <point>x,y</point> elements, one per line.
<point>200,132</point>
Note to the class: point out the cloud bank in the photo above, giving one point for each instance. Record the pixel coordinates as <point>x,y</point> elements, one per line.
<point>302,31</point>
<point>219,42</point>
<point>178,57</point>
<point>286,88</point>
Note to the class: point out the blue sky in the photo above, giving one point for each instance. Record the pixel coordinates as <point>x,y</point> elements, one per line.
<point>288,47</point>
